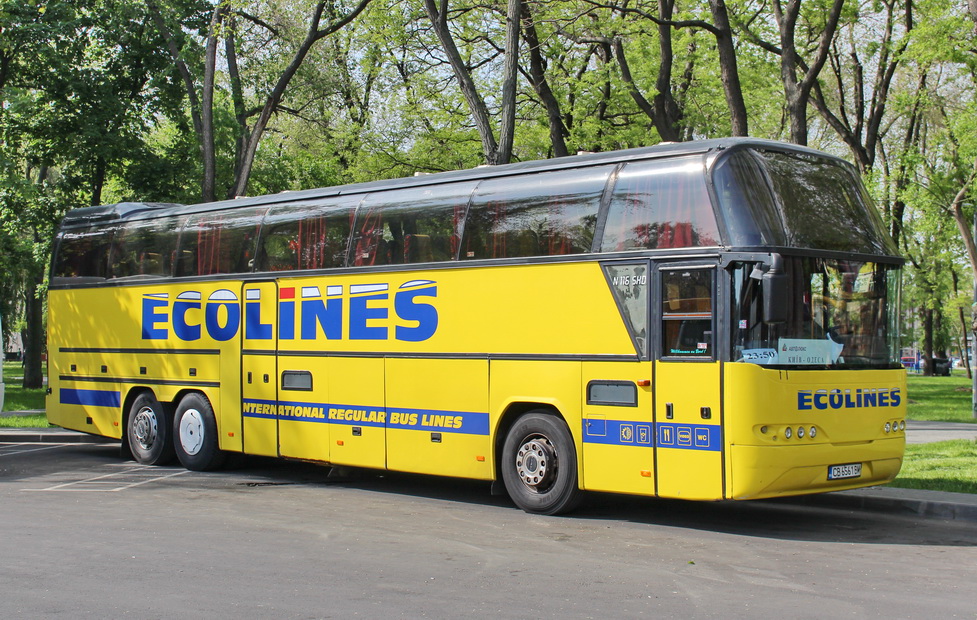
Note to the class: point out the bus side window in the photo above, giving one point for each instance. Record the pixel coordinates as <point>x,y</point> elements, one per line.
<point>687,327</point>
<point>660,204</point>
<point>307,235</point>
<point>421,225</point>
<point>546,214</point>
<point>145,248</point>
<point>219,242</point>
<point>84,253</point>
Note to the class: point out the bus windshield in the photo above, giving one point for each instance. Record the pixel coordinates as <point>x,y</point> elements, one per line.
<point>839,313</point>
<point>797,200</point>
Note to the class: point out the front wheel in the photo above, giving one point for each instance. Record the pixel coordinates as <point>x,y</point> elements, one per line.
<point>195,434</point>
<point>539,465</point>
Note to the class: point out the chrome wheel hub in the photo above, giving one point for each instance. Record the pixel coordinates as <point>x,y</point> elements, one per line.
<point>536,463</point>
<point>145,428</point>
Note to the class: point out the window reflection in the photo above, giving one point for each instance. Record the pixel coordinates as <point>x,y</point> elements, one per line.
<point>546,214</point>
<point>839,312</point>
<point>660,204</point>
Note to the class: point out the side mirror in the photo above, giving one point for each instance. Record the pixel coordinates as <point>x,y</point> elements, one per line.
<point>775,291</point>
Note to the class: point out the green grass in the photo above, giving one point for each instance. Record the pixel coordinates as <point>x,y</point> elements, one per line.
<point>943,466</point>
<point>16,398</point>
<point>24,421</point>
<point>940,399</point>
<point>946,465</point>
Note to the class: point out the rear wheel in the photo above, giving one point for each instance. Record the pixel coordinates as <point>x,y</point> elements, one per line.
<point>195,434</point>
<point>539,464</point>
<point>148,431</point>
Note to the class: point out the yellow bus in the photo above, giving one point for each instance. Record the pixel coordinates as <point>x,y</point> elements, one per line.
<point>709,320</point>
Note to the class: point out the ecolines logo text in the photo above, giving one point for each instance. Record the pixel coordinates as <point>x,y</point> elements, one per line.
<point>848,399</point>
<point>361,312</point>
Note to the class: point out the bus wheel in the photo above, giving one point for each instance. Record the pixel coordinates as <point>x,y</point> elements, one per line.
<point>539,465</point>
<point>148,431</point>
<point>195,434</point>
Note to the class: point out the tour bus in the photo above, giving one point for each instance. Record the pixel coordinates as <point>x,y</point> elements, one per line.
<point>708,320</point>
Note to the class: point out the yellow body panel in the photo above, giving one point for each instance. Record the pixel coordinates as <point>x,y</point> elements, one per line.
<point>419,370</point>
<point>849,427</point>
<point>689,444</point>
<point>357,411</point>
<point>437,417</point>
<point>618,440</point>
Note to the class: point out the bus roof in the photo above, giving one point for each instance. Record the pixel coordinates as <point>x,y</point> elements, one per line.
<point>137,210</point>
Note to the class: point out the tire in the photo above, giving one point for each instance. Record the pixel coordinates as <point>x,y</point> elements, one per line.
<point>148,431</point>
<point>539,465</point>
<point>195,434</point>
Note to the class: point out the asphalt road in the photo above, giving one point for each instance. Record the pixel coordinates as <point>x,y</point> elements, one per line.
<point>85,534</point>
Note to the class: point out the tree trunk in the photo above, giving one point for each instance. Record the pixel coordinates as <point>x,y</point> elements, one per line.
<point>314,34</point>
<point>729,68</point>
<point>537,76</point>
<point>928,342</point>
<point>668,115</point>
<point>797,90</point>
<point>34,340</point>
<point>480,114</point>
<point>507,126</point>
<point>208,190</point>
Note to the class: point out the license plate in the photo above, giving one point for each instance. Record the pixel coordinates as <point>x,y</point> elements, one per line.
<point>840,472</point>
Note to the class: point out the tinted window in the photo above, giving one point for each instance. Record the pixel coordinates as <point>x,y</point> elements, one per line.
<point>84,253</point>
<point>543,214</point>
<point>310,236</point>
<point>747,204</point>
<point>660,204</point>
<point>824,205</point>
<point>219,242</point>
<point>145,247</point>
<point>687,313</point>
<point>418,225</point>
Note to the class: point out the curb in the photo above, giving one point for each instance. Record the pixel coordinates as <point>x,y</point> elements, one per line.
<point>43,435</point>
<point>908,502</point>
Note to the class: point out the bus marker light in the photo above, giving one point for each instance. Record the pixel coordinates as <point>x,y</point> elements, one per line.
<point>230,434</point>
<point>644,382</point>
<point>646,473</point>
<point>339,442</point>
<point>480,459</point>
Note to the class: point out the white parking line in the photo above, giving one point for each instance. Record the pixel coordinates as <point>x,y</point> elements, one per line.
<point>23,448</point>
<point>115,481</point>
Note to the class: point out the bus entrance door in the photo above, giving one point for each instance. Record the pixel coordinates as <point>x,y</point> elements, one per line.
<point>259,369</point>
<point>688,402</point>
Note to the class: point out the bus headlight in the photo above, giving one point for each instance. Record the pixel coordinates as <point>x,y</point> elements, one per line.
<point>888,427</point>
<point>800,432</point>
<point>814,432</point>
<point>788,432</point>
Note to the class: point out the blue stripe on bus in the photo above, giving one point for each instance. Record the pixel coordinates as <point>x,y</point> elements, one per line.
<point>647,435</point>
<point>465,422</point>
<point>92,398</point>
